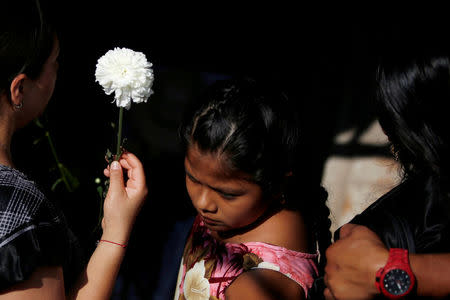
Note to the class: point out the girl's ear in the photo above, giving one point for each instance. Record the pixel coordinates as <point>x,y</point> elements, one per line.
<point>16,89</point>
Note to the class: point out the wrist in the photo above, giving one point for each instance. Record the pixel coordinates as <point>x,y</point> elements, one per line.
<point>379,260</point>
<point>112,242</point>
<point>395,279</point>
<point>116,229</point>
<point>119,238</point>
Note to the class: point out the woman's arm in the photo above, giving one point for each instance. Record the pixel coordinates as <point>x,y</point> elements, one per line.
<point>46,283</point>
<point>121,207</point>
<point>122,204</point>
<point>264,285</point>
<point>96,282</point>
<point>353,261</point>
<point>432,272</point>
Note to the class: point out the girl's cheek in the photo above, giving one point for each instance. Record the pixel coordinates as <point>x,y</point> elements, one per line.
<point>192,191</point>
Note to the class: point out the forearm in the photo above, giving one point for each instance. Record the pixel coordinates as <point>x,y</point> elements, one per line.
<point>97,281</point>
<point>121,206</point>
<point>432,272</point>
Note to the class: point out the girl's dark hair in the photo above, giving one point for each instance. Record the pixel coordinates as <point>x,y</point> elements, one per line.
<point>256,128</point>
<point>26,40</point>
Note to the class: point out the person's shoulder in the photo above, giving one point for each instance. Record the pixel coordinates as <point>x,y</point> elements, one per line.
<point>21,202</point>
<point>17,189</point>
<point>401,200</point>
<point>285,229</point>
<point>264,284</point>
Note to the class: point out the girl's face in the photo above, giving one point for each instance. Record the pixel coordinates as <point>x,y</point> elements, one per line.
<point>37,92</point>
<point>224,199</point>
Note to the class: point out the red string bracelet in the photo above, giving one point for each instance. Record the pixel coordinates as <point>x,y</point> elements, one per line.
<point>121,245</point>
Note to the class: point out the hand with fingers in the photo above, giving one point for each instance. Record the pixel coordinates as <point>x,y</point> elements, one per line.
<point>124,199</point>
<point>352,263</point>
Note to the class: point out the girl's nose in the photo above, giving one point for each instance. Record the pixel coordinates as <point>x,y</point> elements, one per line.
<point>205,201</point>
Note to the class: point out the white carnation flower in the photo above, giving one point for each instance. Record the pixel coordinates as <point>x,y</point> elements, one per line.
<point>127,73</point>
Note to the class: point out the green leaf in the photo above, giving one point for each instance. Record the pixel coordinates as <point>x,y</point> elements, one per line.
<point>58,181</point>
<point>36,141</point>
<point>38,123</point>
<point>72,182</point>
<point>109,157</point>
<point>100,191</point>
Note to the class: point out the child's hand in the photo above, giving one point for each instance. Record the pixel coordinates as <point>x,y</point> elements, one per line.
<point>124,200</point>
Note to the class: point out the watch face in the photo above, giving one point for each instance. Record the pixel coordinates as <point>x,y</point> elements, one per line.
<point>397,282</point>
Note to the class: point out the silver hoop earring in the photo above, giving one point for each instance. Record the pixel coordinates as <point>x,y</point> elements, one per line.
<point>18,106</point>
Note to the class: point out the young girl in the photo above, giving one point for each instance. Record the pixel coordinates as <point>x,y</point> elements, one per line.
<point>258,226</point>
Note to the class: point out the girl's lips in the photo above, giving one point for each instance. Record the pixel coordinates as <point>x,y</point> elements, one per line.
<point>210,221</point>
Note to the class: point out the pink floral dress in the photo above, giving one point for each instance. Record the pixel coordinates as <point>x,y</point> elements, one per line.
<point>208,266</point>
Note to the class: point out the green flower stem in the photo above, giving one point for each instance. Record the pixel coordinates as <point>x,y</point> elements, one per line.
<point>58,163</point>
<point>119,135</point>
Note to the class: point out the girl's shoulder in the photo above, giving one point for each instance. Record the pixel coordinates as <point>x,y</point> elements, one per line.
<point>211,266</point>
<point>285,229</point>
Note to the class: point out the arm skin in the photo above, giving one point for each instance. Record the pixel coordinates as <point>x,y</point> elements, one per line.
<point>433,274</point>
<point>121,207</point>
<point>264,285</point>
<point>353,261</point>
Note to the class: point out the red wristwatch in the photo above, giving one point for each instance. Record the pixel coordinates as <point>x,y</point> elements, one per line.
<point>396,279</point>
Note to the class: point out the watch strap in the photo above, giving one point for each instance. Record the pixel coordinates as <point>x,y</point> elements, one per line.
<point>398,257</point>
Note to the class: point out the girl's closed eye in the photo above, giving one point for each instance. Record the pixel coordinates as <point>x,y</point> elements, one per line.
<point>191,178</point>
<point>228,196</point>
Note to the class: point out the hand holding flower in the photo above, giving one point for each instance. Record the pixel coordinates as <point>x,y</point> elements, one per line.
<point>128,75</point>
<point>124,199</point>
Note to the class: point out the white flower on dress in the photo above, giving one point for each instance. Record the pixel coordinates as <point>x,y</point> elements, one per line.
<point>127,73</point>
<point>268,265</point>
<point>196,286</point>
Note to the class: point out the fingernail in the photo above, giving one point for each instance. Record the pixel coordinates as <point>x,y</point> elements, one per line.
<point>115,165</point>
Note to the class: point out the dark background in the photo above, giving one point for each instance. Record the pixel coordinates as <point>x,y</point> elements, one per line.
<point>324,63</point>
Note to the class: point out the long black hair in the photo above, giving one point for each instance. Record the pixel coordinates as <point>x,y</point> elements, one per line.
<point>26,40</point>
<point>413,94</point>
<point>256,127</point>
<point>412,99</point>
